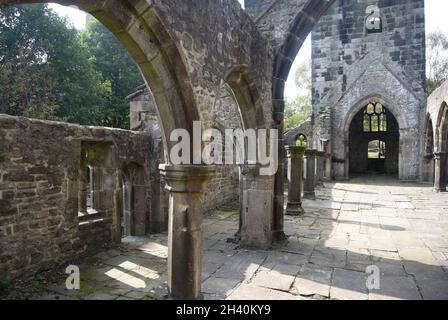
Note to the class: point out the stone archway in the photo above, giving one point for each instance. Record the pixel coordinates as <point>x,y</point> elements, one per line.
<point>246,94</point>
<point>428,151</point>
<point>182,63</point>
<point>135,217</point>
<point>442,129</point>
<point>143,34</point>
<point>256,229</point>
<point>389,135</point>
<point>293,36</point>
<point>440,155</point>
<point>138,26</point>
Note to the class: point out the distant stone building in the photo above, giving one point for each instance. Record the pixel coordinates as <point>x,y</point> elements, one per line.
<point>368,79</point>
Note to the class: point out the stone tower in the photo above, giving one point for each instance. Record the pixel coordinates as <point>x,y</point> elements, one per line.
<point>370,53</point>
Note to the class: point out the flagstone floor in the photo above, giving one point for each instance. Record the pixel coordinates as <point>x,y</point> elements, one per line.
<point>402,229</point>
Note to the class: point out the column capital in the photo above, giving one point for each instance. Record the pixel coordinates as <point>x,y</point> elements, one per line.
<point>295,151</point>
<point>310,153</point>
<point>186,178</point>
<point>321,154</point>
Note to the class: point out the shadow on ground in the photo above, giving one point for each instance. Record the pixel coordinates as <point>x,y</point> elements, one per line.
<point>367,221</point>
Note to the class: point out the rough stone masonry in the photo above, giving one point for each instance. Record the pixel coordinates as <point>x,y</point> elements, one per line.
<point>65,188</point>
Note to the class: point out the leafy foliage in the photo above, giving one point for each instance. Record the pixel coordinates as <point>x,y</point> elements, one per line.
<point>49,70</point>
<point>115,64</point>
<point>298,110</point>
<point>437,60</point>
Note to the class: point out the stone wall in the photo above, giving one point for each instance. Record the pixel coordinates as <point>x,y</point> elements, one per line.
<point>340,41</point>
<point>224,186</point>
<point>41,189</point>
<point>352,67</point>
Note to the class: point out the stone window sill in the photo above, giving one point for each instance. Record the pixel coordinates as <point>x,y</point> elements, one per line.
<point>91,216</point>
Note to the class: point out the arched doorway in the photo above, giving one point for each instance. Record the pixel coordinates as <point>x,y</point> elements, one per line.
<point>428,152</point>
<point>374,141</point>
<point>441,163</point>
<point>135,217</point>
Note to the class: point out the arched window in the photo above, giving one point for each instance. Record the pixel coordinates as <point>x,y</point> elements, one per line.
<point>375,118</point>
<point>301,141</point>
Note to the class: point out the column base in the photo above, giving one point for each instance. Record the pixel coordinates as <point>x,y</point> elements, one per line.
<point>309,195</point>
<point>279,238</point>
<point>294,209</point>
<point>436,190</point>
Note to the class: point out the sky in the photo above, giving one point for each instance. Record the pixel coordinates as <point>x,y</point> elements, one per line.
<point>435,20</point>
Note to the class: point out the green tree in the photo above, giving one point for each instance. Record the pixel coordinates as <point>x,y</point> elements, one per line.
<point>116,65</point>
<point>437,60</point>
<point>298,109</point>
<point>46,69</point>
<point>25,83</point>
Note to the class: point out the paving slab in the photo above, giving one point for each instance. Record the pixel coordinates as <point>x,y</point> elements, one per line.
<point>348,285</point>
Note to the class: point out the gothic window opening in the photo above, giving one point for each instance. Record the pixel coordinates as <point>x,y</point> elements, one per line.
<point>301,141</point>
<point>374,141</point>
<point>375,118</point>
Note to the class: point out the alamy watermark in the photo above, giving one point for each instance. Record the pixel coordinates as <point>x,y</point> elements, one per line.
<point>234,147</point>
<point>373,281</point>
<point>73,280</point>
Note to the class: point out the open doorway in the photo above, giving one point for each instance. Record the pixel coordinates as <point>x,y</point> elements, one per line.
<point>374,141</point>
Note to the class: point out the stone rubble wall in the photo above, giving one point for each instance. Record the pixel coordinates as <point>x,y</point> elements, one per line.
<point>340,41</point>
<point>224,186</point>
<point>39,190</point>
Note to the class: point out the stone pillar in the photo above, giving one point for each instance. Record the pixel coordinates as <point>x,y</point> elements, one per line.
<point>310,174</point>
<point>185,186</point>
<point>295,174</point>
<point>279,179</point>
<point>256,217</point>
<point>440,172</point>
<point>320,167</point>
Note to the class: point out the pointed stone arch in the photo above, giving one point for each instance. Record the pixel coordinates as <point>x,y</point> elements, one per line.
<point>135,213</point>
<point>404,136</point>
<point>441,133</point>
<point>427,170</point>
<point>243,85</point>
<point>138,27</point>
